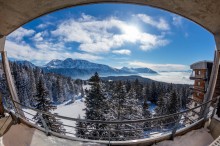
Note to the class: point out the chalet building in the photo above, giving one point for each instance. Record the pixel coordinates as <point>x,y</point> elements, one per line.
<point>201,75</point>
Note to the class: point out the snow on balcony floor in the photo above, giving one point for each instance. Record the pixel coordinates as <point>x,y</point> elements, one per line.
<point>200,137</point>
<point>21,135</point>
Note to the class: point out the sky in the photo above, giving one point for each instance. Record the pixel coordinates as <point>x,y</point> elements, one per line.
<point>114,34</point>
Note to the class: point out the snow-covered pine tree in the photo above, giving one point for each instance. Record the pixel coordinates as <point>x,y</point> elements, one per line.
<point>173,106</point>
<point>42,102</point>
<point>138,87</point>
<point>31,85</point>
<point>128,85</point>
<point>59,90</point>
<point>124,106</point>
<point>161,109</point>
<point>174,103</point>
<point>5,92</point>
<point>96,107</point>
<point>146,114</point>
<point>153,93</point>
<point>81,130</point>
<point>133,111</point>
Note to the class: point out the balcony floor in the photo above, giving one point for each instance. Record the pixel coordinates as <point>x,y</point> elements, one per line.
<point>200,137</point>
<point>21,135</point>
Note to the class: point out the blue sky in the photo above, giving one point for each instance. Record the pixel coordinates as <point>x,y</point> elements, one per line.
<point>114,34</point>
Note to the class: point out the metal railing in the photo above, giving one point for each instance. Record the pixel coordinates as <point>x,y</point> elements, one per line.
<point>117,132</point>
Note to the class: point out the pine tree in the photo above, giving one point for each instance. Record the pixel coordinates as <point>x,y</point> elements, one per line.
<point>174,104</point>
<point>81,130</point>
<point>125,106</point>
<point>138,89</point>
<point>161,108</point>
<point>153,93</point>
<point>43,103</point>
<point>59,90</point>
<point>96,107</point>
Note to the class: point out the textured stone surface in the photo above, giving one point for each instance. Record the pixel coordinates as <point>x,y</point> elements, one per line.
<point>14,13</point>
<point>21,135</point>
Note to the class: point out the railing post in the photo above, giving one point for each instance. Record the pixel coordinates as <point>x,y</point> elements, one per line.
<point>176,127</point>
<point>44,124</point>
<point>109,135</point>
<point>212,83</point>
<point>215,107</point>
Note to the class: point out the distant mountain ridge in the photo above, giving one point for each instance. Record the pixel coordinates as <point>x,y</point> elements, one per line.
<point>128,78</point>
<point>138,70</point>
<point>26,63</point>
<point>83,69</point>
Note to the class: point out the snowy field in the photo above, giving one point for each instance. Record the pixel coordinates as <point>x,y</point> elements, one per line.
<point>73,110</point>
<point>170,77</point>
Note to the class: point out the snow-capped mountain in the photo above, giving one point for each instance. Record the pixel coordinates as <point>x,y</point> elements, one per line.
<point>79,64</point>
<point>83,69</point>
<point>26,63</point>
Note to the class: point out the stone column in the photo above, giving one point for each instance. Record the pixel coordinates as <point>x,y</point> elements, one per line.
<point>214,75</point>
<point>11,85</point>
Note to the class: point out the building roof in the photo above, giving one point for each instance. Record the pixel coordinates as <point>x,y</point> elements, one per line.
<point>201,64</point>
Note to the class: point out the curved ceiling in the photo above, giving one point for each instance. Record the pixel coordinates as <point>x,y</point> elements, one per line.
<point>15,13</point>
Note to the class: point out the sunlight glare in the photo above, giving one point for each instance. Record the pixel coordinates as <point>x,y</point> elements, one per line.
<point>131,32</point>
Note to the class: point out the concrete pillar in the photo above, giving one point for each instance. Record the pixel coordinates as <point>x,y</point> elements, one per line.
<point>2,44</point>
<point>214,75</point>
<point>9,78</point>
<point>1,107</point>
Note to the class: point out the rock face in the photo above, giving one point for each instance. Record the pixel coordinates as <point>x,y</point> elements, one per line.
<point>84,69</point>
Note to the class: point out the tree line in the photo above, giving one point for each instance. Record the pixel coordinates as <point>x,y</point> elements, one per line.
<point>127,100</point>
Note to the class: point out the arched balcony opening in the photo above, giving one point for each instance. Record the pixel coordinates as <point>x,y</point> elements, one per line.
<point>155,128</point>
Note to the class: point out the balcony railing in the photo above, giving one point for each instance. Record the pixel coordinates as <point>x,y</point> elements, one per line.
<point>193,76</point>
<point>198,88</point>
<point>152,128</point>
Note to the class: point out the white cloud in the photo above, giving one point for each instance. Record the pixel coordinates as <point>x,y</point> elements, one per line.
<point>122,52</point>
<point>40,56</point>
<point>161,23</point>
<point>160,67</point>
<point>44,25</point>
<point>177,20</point>
<point>20,33</point>
<point>93,36</point>
<point>41,26</point>
<point>96,36</point>
<point>38,37</point>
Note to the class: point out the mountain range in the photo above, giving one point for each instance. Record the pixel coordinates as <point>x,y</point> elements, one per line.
<point>83,69</point>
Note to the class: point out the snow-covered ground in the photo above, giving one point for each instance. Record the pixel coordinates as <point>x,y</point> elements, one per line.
<point>73,110</point>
